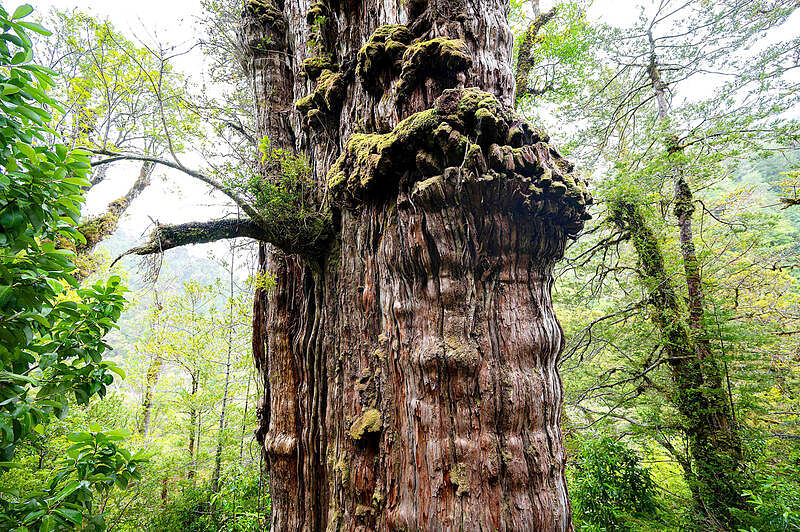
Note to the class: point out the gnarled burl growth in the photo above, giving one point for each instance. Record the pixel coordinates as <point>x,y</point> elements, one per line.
<point>451,224</point>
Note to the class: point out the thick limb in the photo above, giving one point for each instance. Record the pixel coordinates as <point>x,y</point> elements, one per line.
<point>307,235</point>
<point>525,62</point>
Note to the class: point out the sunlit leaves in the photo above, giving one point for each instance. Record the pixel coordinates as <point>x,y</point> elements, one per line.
<point>51,332</point>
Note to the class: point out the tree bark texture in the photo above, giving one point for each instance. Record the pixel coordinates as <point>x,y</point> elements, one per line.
<point>410,373</point>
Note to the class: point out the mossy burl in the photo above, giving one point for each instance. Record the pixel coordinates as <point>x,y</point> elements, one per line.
<point>265,10</point>
<point>368,423</point>
<point>391,49</point>
<point>472,132</point>
<point>383,51</point>
<point>325,99</point>
<point>317,11</point>
<point>313,67</point>
<point>436,58</point>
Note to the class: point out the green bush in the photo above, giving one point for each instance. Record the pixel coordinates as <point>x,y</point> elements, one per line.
<point>239,506</point>
<point>608,485</point>
<point>775,498</point>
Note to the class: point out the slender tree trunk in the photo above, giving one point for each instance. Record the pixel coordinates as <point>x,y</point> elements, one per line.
<point>717,478</point>
<point>151,379</point>
<point>244,417</point>
<point>410,370</point>
<point>218,456</point>
<point>193,432</point>
<point>164,490</point>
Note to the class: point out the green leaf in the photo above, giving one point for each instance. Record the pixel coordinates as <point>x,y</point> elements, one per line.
<point>10,89</point>
<point>33,516</point>
<point>47,359</point>
<point>48,523</point>
<point>116,369</point>
<point>80,181</point>
<point>67,490</point>
<point>22,11</point>
<point>5,294</point>
<point>73,516</point>
<point>79,437</point>
<point>38,28</point>
<point>116,435</point>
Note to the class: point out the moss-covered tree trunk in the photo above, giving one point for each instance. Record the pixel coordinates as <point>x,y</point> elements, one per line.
<point>716,474</point>
<point>409,367</point>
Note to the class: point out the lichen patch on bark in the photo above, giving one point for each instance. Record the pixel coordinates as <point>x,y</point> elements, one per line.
<point>368,423</point>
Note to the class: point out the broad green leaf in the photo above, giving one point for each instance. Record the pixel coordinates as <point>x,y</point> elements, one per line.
<point>22,11</point>
<point>34,26</point>
<point>48,523</point>
<point>79,437</point>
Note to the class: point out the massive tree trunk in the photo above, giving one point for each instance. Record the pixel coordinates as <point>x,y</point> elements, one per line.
<point>409,367</point>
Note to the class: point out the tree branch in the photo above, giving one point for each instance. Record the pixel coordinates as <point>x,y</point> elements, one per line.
<point>166,237</point>
<point>524,59</point>
<point>115,156</point>
<point>307,236</point>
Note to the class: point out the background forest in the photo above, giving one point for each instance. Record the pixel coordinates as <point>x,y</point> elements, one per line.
<point>128,396</point>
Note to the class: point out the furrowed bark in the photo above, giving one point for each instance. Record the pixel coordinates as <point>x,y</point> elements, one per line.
<point>410,372</point>
<point>267,52</point>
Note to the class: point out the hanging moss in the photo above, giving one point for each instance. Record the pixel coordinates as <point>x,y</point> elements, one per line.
<point>466,134</point>
<point>368,423</point>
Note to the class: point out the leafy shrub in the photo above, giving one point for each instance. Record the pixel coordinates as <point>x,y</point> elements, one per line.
<point>775,498</point>
<point>607,484</point>
<point>239,506</point>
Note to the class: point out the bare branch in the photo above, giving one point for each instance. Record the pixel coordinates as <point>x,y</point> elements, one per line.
<point>116,156</point>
